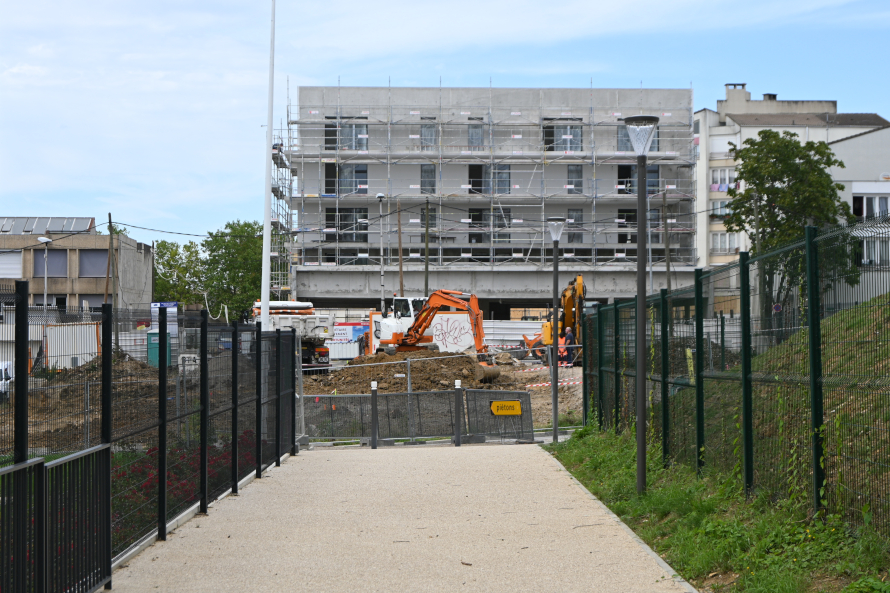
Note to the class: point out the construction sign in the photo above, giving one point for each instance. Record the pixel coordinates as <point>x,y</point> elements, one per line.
<point>506,408</point>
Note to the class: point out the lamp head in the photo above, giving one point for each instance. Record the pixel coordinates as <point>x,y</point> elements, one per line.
<point>380,197</point>
<point>641,130</point>
<point>44,240</point>
<point>556,224</point>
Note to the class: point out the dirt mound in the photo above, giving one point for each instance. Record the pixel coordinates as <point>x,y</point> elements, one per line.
<point>426,375</point>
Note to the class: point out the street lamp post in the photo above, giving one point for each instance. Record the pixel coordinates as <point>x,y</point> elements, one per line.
<point>382,297</point>
<point>641,130</point>
<point>556,225</point>
<point>46,241</point>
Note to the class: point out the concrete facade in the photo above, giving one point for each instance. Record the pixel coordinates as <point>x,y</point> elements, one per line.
<point>738,118</point>
<point>78,276</point>
<point>494,165</point>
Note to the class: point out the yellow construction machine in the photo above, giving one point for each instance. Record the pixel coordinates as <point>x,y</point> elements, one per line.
<point>571,302</point>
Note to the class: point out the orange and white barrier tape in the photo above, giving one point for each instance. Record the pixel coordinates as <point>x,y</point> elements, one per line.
<point>558,384</point>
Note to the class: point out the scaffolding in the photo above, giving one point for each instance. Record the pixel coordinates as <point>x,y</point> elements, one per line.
<point>282,189</point>
<point>492,174</point>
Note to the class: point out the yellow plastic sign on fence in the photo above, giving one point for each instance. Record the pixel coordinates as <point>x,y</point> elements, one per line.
<point>506,408</point>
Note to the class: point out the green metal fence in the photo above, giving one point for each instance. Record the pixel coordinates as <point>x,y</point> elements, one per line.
<point>775,369</point>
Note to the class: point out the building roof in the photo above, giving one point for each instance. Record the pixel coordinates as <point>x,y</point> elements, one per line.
<point>24,225</point>
<point>809,119</point>
<point>858,135</point>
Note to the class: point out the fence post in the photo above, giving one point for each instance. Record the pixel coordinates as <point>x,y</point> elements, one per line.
<point>585,394</point>
<point>106,426</point>
<point>722,342</point>
<point>234,435</point>
<point>300,384</point>
<point>459,411</point>
<point>374,418</point>
<point>20,405</point>
<point>258,374</point>
<point>162,419</point>
<point>411,413</point>
<point>665,375</point>
<point>293,395</point>
<point>617,378</point>
<point>600,376</point>
<point>817,419</point>
<point>698,370</point>
<point>205,408</point>
<point>747,384</point>
<point>278,371</point>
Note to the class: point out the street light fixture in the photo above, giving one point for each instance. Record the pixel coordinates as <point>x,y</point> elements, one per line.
<point>46,241</point>
<point>556,224</point>
<point>641,131</point>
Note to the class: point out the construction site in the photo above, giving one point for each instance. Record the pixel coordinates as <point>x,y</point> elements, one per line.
<point>451,188</point>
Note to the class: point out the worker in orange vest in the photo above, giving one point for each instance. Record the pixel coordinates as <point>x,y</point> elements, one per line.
<point>563,351</point>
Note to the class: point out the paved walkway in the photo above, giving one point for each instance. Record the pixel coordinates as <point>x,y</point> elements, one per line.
<point>425,518</point>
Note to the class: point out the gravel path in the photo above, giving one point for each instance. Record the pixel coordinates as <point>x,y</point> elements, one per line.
<point>425,518</point>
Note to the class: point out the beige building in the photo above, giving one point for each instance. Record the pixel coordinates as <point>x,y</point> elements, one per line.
<point>76,262</point>
<point>738,118</point>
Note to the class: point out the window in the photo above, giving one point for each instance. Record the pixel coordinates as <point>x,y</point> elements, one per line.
<point>93,263</point>
<point>624,144</point>
<point>882,206</point>
<point>354,137</point>
<point>481,178</point>
<point>576,218</point>
<point>721,208</point>
<point>627,218</point>
<point>482,219</point>
<point>857,206</point>
<point>428,179</point>
<point>353,179</point>
<point>723,242</point>
<point>722,178</point>
<point>474,136</point>
<point>330,135</point>
<point>695,127</point>
<point>11,264</point>
<point>56,265</point>
<point>575,179</point>
<point>348,225</point>
<point>627,176</point>
<point>563,136</point>
<point>423,217</point>
<point>428,135</point>
<point>330,179</point>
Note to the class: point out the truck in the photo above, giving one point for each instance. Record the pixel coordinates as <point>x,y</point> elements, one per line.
<point>313,329</point>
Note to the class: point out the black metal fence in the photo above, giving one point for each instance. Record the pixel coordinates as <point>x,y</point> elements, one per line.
<point>773,368</point>
<point>114,423</point>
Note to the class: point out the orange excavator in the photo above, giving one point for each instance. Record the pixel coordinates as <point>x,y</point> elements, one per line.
<point>571,303</point>
<point>413,338</point>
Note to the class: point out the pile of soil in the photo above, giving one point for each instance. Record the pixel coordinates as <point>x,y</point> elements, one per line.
<point>426,375</point>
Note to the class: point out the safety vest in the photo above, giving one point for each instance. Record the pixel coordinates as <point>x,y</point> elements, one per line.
<point>562,349</point>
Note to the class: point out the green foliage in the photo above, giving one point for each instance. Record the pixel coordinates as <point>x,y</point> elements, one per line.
<point>102,229</point>
<point>233,266</point>
<point>179,272</point>
<point>787,187</point>
<point>706,526</point>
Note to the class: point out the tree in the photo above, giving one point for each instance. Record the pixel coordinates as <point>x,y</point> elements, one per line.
<point>179,272</point>
<point>233,266</point>
<point>787,187</point>
<point>101,229</point>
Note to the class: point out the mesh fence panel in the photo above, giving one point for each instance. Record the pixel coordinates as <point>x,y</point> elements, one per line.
<point>854,265</point>
<point>626,364</point>
<point>248,422</point>
<point>681,392</point>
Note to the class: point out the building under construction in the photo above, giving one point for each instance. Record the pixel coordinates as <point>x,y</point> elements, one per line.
<point>491,165</point>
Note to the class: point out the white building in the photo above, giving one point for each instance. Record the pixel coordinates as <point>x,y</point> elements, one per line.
<point>493,165</point>
<point>738,118</point>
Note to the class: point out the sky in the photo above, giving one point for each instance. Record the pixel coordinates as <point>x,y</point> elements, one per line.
<point>154,111</point>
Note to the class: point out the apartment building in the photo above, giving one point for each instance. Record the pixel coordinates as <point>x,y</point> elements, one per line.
<point>74,262</point>
<point>738,118</point>
<point>491,165</point>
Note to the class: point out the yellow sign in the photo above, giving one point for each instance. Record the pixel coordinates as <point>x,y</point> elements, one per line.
<point>506,408</point>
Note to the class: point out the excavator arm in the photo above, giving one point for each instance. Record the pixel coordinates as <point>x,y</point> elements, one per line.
<point>442,298</point>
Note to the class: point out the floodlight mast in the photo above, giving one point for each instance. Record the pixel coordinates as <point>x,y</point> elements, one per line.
<point>641,131</point>
<point>555,224</point>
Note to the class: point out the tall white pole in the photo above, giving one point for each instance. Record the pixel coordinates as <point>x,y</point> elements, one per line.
<point>267,214</point>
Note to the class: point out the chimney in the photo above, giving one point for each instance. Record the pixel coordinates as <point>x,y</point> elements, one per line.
<point>769,96</point>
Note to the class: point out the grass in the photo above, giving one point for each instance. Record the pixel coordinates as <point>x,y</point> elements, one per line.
<point>715,538</point>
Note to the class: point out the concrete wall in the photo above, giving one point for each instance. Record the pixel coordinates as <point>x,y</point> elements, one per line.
<point>866,159</point>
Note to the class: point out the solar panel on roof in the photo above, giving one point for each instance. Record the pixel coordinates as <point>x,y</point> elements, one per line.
<point>18,225</point>
<point>29,225</point>
<point>40,226</point>
<point>7,225</point>
<point>80,224</point>
<point>56,225</point>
